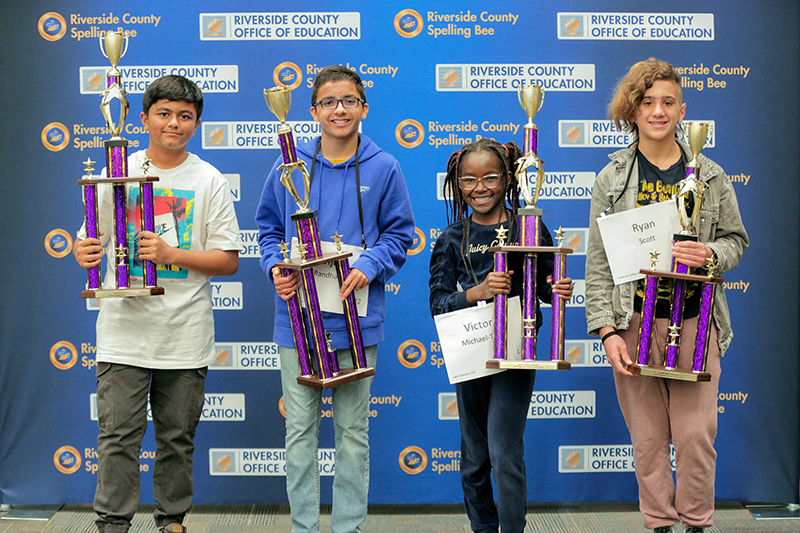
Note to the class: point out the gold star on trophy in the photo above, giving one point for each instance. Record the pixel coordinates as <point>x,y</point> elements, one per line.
<point>88,166</point>
<point>301,249</point>
<point>653,259</point>
<point>284,250</point>
<point>713,265</point>
<point>337,239</point>
<point>328,341</point>
<point>146,165</point>
<point>560,236</point>
<point>501,235</point>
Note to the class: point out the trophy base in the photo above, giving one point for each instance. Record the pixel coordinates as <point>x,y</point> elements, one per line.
<point>346,375</point>
<point>528,365</point>
<point>122,293</point>
<point>661,372</point>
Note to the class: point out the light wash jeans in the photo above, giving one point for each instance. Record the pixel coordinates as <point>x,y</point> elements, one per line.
<point>303,407</point>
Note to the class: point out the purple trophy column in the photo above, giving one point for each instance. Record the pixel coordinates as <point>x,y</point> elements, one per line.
<point>529,236</point>
<point>351,316</point>
<point>148,224</point>
<point>287,147</point>
<point>703,328</point>
<point>117,167</point>
<point>675,318</point>
<point>558,309</point>
<point>92,232</point>
<point>529,305</point>
<point>500,307</point>
<point>648,318</point>
<point>299,331</point>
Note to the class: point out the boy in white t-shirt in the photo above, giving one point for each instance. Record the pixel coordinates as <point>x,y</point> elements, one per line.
<point>160,345</point>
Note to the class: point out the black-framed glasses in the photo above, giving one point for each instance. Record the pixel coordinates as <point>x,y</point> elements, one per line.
<point>490,181</point>
<point>349,102</point>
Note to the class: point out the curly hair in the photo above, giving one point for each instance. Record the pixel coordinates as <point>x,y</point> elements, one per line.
<point>629,92</point>
<point>456,204</point>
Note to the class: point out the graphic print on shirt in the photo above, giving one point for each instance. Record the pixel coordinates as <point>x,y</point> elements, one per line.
<point>174,220</point>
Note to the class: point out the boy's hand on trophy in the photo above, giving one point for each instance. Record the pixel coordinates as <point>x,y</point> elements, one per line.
<point>355,280</point>
<point>153,248</point>
<point>285,286</point>
<point>88,252</point>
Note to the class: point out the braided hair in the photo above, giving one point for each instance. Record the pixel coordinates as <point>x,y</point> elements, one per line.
<point>456,204</point>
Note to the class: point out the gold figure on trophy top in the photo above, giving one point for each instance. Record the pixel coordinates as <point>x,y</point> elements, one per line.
<point>88,166</point>
<point>116,44</point>
<point>531,98</point>
<point>284,248</point>
<point>689,197</point>
<point>654,258</point>
<point>279,101</point>
<point>501,236</point>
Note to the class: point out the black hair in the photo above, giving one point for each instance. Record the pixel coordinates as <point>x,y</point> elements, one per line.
<point>172,88</point>
<point>457,207</point>
<point>337,73</point>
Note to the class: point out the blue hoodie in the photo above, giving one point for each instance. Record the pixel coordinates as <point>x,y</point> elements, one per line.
<point>388,227</point>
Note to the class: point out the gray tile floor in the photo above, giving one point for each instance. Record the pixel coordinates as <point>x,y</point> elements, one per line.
<point>730,517</point>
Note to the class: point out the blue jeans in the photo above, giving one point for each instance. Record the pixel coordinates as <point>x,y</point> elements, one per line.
<point>176,399</point>
<point>303,407</point>
<point>492,413</point>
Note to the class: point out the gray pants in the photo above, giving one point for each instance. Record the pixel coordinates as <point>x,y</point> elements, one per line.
<point>176,400</point>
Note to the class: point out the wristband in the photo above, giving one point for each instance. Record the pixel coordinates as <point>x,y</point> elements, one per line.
<point>609,334</point>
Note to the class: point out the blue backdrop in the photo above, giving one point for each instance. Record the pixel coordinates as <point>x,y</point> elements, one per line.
<point>437,74</point>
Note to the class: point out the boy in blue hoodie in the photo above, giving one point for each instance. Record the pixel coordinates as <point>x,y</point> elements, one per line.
<point>359,192</point>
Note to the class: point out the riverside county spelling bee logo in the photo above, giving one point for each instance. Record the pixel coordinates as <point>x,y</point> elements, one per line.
<point>408,23</point>
<point>413,460</point>
<point>52,26</point>
<point>287,74</point>
<point>409,133</point>
<point>63,355</point>
<point>55,136</point>
<point>419,242</point>
<point>58,243</point>
<point>67,460</point>
<point>411,353</point>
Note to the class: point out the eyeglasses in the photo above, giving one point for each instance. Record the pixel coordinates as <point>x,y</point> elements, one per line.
<point>490,181</point>
<point>348,102</point>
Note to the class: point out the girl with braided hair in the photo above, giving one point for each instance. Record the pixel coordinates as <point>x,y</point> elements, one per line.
<point>483,196</point>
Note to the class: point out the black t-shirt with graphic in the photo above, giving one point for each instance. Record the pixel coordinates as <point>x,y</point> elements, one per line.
<point>656,185</point>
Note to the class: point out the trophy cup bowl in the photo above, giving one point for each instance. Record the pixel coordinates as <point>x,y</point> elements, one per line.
<point>279,101</point>
<point>531,98</point>
<point>116,44</point>
<point>697,137</point>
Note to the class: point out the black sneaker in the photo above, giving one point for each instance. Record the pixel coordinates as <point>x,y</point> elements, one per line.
<point>663,529</point>
<point>693,529</point>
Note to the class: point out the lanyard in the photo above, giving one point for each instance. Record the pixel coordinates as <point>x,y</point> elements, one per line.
<point>358,186</point>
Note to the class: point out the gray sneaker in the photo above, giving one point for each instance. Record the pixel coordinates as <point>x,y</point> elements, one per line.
<point>172,528</point>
